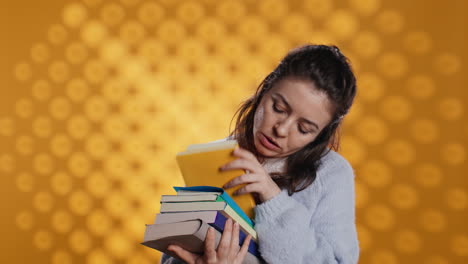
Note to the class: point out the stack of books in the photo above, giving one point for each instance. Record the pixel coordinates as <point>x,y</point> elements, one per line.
<point>184,218</point>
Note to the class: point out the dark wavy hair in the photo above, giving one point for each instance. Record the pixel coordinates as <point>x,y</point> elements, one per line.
<point>331,73</point>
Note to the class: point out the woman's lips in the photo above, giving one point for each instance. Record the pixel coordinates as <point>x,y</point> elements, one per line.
<point>268,143</point>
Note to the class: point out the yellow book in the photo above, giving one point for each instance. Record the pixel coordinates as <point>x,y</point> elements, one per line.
<point>199,166</point>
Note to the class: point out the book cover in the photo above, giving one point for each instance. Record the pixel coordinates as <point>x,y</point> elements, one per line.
<point>189,235</point>
<point>223,195</point>
<point>199,166</point>
<point>213,218</point>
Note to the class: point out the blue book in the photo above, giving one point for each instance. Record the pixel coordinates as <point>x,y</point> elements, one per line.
<point>223,195</point>
<point>214,218</point>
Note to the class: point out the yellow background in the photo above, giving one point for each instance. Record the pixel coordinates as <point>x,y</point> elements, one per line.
<point>98,96</point>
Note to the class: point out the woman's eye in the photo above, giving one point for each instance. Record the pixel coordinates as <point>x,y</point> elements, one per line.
<point>302,130</point>
<point>276,109</point>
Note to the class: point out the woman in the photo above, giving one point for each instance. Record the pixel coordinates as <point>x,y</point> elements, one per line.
<point>287,132</point>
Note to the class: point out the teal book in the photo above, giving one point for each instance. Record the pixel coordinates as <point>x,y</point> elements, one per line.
<point>223,196</point>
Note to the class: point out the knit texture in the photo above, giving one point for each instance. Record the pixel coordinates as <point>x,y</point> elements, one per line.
<point>316,225</point>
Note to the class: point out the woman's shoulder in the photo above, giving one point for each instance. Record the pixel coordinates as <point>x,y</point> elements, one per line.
<point>334,167</point>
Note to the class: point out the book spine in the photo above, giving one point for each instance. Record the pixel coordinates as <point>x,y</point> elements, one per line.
<point>220,222</point>
<point>236,208</point>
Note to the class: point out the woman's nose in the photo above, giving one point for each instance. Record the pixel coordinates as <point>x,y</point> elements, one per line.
<point>281,127</point>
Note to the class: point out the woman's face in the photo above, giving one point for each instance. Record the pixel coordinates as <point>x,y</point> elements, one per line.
<point>289,117</point>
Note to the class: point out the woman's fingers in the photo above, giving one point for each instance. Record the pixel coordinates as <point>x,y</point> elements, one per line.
<point>240,164</point>
<point>244,248</point>
<point>210,244</point>
<point>225,242</point>
<point>244,178</point>
<point>185,255</point>
<point>235,239</point>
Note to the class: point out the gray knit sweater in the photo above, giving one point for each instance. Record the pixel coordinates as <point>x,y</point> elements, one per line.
<point>316,225</point>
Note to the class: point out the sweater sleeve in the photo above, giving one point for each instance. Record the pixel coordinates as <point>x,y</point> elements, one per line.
<point>289,232</point>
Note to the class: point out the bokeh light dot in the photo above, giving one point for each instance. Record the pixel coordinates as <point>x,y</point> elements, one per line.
<point>99,256</point>
<point>42,126</point>
<point>76,53</point>
<point>393,65</point>
<point>60,108</point>
<point>273,10</point>
<point>428,174</point>
<point>77,90</point>
<point>375,173</point>
<point>418,42</point>
<point>80,241</point>
<point>383,256</point>
<point>453,153</point>
<point>403,196</point>
<point>372,130</point>
<point>96,108</point>
<point>74,15</point>
<point>112,14</point>
<point>43,201</point>
<point>118,244</point>
<point>24,220</point>
<point>25,182</point>
<point>61,183</point>
<point>132,32</point>
<point>318,8</point>
<point>95,72</point>
<point>451,108</point>
<point>365,7</point>
<point>93,33</point>
<point>79,164</point>
<point>80,202</point>
<point>400,152</point>
<point>57,34</point>
<point>190,12</point>
<point>353,150</point>
<point>342,23</point>
<point>379,217</point>
<point>99,223</point>
<point>59,71</point>
<point>389,21</point>
<point>366,44</point>
<point>23,71</point>
<point>373,86</point>
<point>459,245</point>
<point>408,241</point>
<point>457,198</point>
<point>24,107</point>
<point>61,145</point>
<point>61,257</point>
<point>25,145</point>
<point>150,13</point>
<point>43,163</point>
<point>43,240</point>
<point>40,53</point>
<point>41,90</point>
<point>296,27</point>
<point>433,220</point>
<point>421,86</point>
<point>62,221</point>
<point>424,130</point>
<point>396,108</point>
<point>7,163</point>
<point>171,31</point>
<point>447,63</point>
<point>78,127</point>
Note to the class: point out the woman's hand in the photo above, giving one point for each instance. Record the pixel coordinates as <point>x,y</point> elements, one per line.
<point>228,251</point>
<point>256,179</point>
